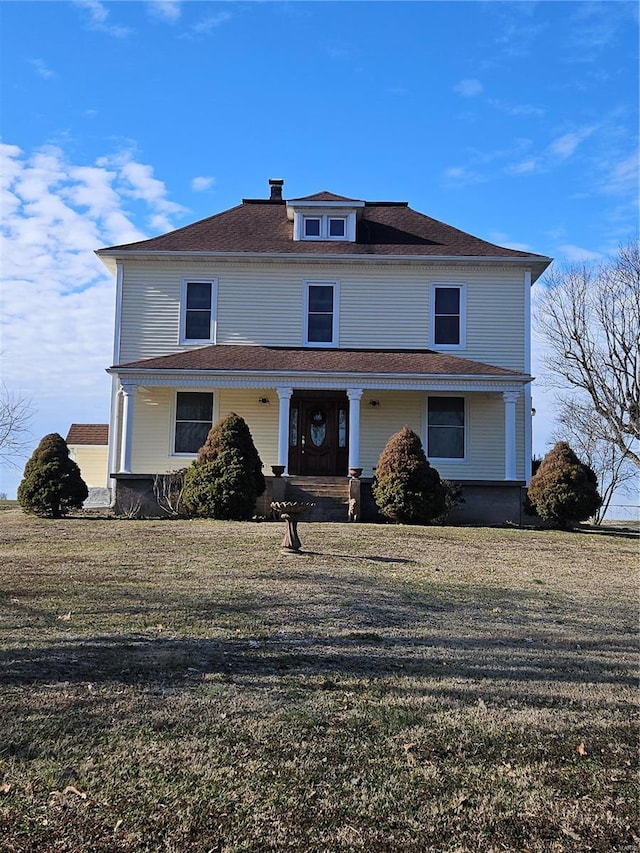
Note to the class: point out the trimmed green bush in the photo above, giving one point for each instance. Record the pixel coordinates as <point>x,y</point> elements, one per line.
<point>406,488</point>
<point>563,491</point>
<point>226,478</point>
<point>51,485</point>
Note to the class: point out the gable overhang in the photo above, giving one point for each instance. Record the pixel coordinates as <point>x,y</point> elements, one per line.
<point>536,264</point>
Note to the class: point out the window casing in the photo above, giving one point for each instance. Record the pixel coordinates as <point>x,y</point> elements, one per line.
<point>446,428</point>
<point>448,316</point>
<point>198,320</point>
<point>321,314</point>
<point>194,419</point>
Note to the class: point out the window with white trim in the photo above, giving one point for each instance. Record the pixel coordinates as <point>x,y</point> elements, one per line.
<point>194,419</point>
<point>321,314</point>
<point>197,322</point>
<point>324,227</point>
<point>448,316</point>
<point>445,428</point>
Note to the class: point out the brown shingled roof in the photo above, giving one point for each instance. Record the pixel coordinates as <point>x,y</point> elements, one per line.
<point>230,357</point>
<point>88,434</point>
<point>325,195</point>
<point>384,228</point>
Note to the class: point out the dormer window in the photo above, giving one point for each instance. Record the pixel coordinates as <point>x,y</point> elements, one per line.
<point>324,216</point>
<point>337,227</point>
<point>312,226</point>
<point>325,227</point>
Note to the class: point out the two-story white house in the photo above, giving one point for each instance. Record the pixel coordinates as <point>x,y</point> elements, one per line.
<point>327,323</point>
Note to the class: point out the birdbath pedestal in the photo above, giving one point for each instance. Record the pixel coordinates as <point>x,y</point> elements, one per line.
<point>291,511</point>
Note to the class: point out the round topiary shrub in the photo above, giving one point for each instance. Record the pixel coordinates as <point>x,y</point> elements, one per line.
<point>51,484</point>
<point>406,488</point>
<point>226,479</point>
<point>563,491</point>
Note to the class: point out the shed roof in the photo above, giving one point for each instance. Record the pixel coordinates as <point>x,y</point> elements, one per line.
<point>230,357</point>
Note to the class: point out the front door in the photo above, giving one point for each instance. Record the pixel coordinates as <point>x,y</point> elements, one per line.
<point>318,435</point>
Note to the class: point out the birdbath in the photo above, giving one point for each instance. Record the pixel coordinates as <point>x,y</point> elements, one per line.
<point>291,511</point>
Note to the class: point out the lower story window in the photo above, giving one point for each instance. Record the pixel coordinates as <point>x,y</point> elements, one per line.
<point>194,419</point>
<point>445,428</point>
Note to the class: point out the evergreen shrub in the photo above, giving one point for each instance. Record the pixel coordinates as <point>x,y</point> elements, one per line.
<point>51,485</point>
<point>226,479</point>
<point>563,491</point>
<point>406,487</point>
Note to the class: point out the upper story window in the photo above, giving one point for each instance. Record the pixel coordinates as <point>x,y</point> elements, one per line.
<point>194,418</point>
<point>445,428</point>
<point>325,227</point>
<point>197,323</point>
<point>321,314</point>
<point>448,316</point>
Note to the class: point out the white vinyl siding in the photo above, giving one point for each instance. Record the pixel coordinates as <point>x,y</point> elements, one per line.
<point>382,307</point>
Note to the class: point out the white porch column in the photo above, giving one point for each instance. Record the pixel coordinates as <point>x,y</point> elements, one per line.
<point>284,396</point>
<point>510,398</point>
<point>354,395</point>
<point>128,390</point>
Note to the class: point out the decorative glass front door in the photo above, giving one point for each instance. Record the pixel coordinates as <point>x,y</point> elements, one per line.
<point>318,435</point>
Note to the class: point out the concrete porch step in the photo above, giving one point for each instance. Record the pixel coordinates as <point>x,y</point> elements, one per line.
<point>330,494</point>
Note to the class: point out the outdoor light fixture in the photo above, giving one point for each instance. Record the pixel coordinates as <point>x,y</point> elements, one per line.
<point>374,403</point>
<point>264,401</point>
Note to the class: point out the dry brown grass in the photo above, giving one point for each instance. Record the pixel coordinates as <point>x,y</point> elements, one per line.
<point>183,686</point>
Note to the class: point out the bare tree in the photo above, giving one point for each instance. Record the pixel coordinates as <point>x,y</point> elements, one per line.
<point>589,316</point>
<point>16,412</point>
<point>588,434</point>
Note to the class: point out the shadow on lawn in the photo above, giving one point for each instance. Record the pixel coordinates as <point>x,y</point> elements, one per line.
<point>507,666</point>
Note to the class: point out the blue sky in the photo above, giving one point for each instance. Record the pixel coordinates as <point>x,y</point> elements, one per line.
<point>516,122</point>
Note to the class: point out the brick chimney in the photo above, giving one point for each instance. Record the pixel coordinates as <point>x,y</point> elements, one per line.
<point>276,189</point>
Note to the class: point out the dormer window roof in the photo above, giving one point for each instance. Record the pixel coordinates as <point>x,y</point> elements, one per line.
<point>324,216</point>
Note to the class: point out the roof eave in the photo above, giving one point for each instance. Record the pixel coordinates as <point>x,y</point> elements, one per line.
<point>539,263</point>
<point>357,376</point>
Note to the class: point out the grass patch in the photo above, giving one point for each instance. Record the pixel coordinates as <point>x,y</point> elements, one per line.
<point>184,686</point>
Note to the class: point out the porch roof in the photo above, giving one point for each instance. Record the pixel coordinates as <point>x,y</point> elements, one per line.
<point>227,358</point>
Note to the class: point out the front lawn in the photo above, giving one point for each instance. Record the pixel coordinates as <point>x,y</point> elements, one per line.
<point>183,686</point>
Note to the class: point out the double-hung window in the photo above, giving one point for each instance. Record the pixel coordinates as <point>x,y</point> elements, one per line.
<point>445,428</point>
<point>321,314</point>
<point>198,312</point>
<point>194,418</point>
<point>448,316</point>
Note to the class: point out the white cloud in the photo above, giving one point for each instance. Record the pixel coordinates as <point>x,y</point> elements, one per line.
<point>565,146</point>
<point>516,109</point>
<point>206,25</point>
<point>469,88</point>
<point>98,19</point>
<point>202,183</point>
<point>42,69</point>
<point>502,239</point>
<point>460,176</point>
<point>576,254</point>
<point>623,176</point>
<point>525,167</point>
<point>57,297</point>
<point>165,10</point>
